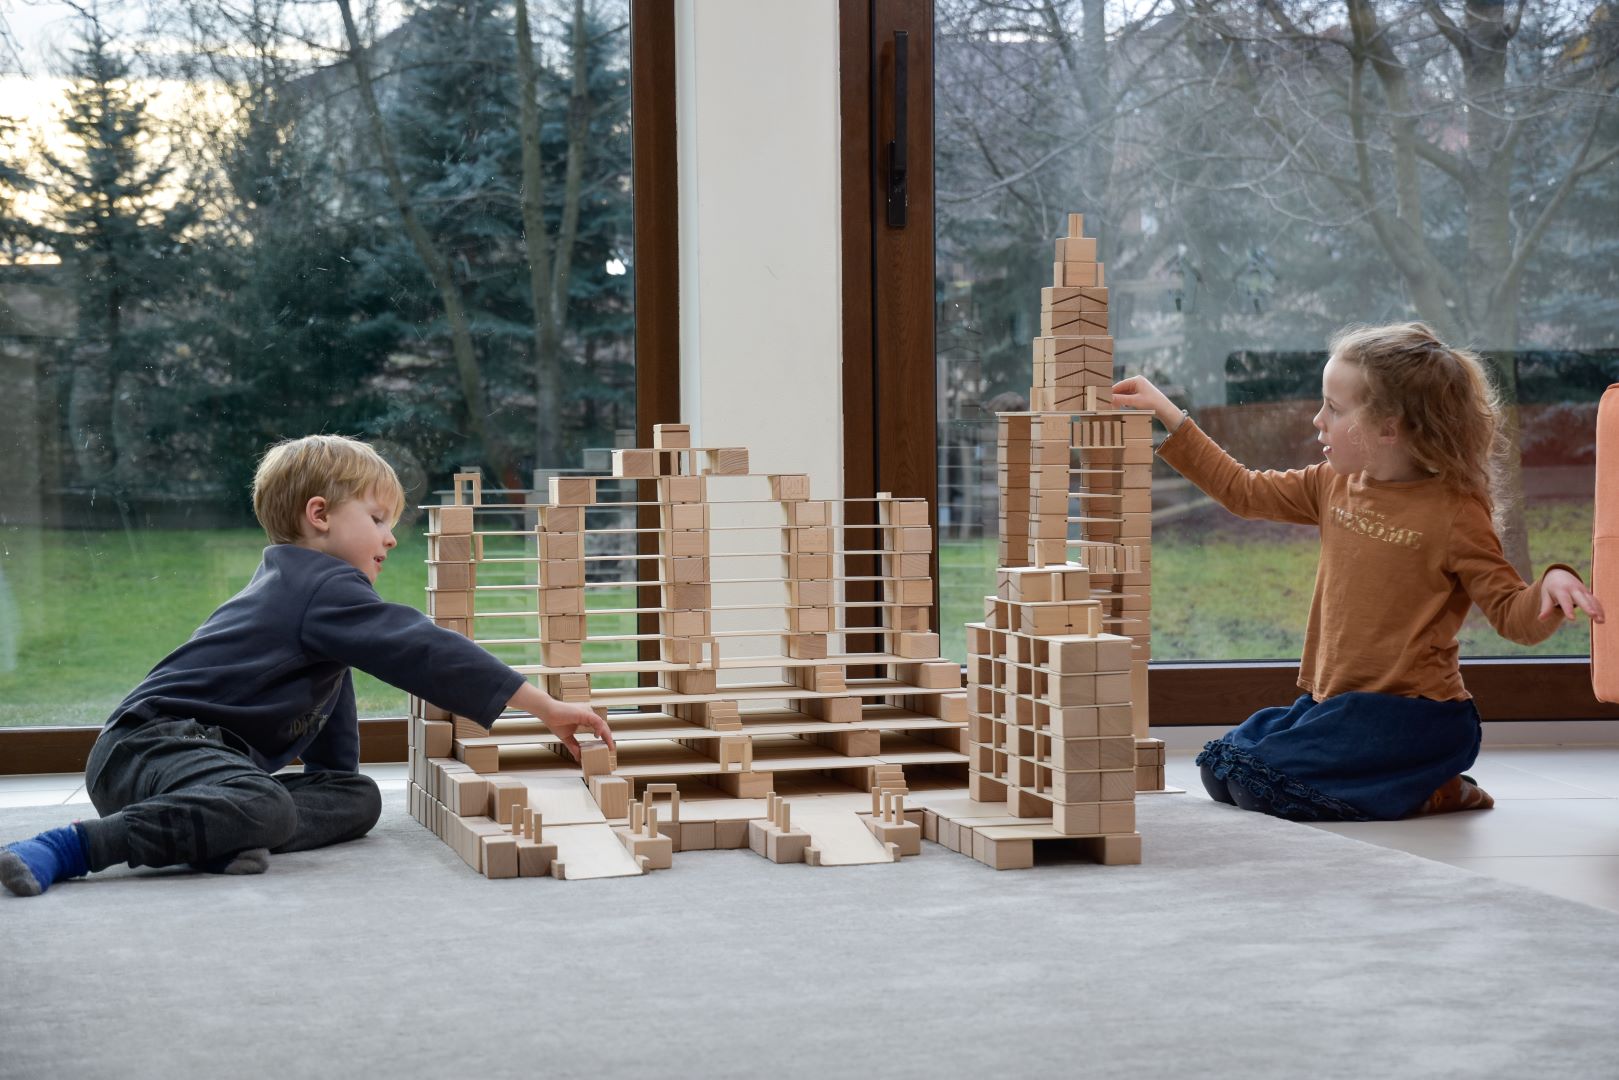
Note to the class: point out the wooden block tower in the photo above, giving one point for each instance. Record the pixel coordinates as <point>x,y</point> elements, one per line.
<point>1076,538</point>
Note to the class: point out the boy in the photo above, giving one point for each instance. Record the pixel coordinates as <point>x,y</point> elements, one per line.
<point>183,770</point>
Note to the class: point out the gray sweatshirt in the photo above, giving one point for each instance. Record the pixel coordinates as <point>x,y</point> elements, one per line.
<point>272,664</point>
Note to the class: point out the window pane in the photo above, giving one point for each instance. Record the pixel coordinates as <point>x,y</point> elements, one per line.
<point>1214,158</point>
<point>214,239</point>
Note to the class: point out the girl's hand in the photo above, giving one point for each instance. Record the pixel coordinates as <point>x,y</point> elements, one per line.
<point>1561,589</point>
<point>1138,392</point>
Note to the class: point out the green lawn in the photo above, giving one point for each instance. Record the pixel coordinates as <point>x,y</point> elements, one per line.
<point>83,615</point>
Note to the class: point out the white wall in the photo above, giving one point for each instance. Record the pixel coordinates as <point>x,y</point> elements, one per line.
<point>760,305</point>
<point>757,112</point>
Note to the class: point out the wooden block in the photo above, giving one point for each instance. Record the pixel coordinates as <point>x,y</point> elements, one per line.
<point>562,519</point>
<point>689,543</point>
<point>909,512</point>
<point>504,795</point>
<point>451,575</point>
<point>465,793</point>
<point>815,566</point>
<point>612,794</point>
<point>480,759</point>
<point>671,436</point>
<point>449,520</point>
<point>904,835</point>
<point>688,597</point>
<point>808,513</point>
<point>917,646</point>
<point>809,620</point>
<point>942,675</point>
<point>561,654</point>
<point>686,516</point>
<point>573,490</point>
<point>915,539</point>
<point>1003,854</point>
<point>1118,817</point>
<point>1075,248</point>
<point>534,858</point>
<point>562,601</point>
<point>909,564</point>
<point>595,759</point>
<point>562,573</point>
<point>686,570</point>
<point>1117,850</point>
<point>698,836</point>
<point>790,487</point>
<point>498,856</point>
<point>729,835</point>
<point>807,646</point>
<point>558,547</point>
<point>452,604</point>
<point>813,540</point>
<point>728,461</point>
<point>1077,819</point>
<point>450,548</point>
<point>437,738</point>
<point>635,464</point>
<point>562,628</point>
<point>682,489</point>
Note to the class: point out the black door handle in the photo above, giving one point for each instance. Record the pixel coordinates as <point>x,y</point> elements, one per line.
<point>896,145</point>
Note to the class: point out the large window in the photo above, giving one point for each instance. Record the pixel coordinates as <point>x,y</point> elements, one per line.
<point>1259,175</point>
<point>222,225</point>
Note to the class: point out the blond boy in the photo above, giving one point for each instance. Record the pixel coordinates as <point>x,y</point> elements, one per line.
<point>186,770</point>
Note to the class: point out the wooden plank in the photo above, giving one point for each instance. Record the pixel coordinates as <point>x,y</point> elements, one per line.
<point>839,835</point>
<point>589,851</point>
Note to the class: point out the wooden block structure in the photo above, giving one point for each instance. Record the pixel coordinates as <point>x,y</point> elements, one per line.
<point>1075,475</point>
<point>1050,729</point>
<point>810,718</point>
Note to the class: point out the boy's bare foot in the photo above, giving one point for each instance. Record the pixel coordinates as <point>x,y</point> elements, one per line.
<point>1457,793</point>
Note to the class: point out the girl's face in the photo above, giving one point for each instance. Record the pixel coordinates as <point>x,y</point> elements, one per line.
<point>1343,440</point>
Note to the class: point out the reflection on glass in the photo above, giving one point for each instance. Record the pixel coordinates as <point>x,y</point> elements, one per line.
<point>221,226</point>
<point>1216,154</point>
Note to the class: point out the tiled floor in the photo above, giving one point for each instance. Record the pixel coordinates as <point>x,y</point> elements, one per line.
<point>1555,826</point>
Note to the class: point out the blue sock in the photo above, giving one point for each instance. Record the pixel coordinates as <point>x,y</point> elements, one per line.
<point>29,867</point>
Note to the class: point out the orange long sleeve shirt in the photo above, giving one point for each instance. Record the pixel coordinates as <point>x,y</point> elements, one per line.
<point>1401,564</point>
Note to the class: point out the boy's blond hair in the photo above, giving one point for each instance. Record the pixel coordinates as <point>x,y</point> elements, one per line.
<point>335,467</point>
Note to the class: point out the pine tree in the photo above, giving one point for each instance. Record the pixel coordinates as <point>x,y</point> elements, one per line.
<point>120,236</point>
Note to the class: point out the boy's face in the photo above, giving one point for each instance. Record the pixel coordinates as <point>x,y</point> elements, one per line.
<point>1342,439</point>
<point>359,531</point>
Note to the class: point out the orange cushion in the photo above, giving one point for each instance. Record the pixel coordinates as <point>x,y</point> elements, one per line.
<point>1605,549</point>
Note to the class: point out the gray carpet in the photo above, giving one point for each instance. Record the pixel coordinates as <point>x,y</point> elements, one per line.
<point>1242,947</point>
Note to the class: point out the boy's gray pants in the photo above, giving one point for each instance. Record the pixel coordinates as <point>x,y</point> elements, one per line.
<point>176,791</point>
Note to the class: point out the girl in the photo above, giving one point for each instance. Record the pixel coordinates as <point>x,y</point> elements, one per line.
<point>1408,428</point>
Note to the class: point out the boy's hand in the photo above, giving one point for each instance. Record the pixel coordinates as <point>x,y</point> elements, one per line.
<point>1138,392</point>
<point>563,718</point>
<point>566,719</point>
<point>1561,589</point>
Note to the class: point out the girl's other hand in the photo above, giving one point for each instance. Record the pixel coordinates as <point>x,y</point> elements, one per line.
<point>1560,589</point>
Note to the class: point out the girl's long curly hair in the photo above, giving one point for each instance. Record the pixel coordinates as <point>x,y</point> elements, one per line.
<point>1446,409</point>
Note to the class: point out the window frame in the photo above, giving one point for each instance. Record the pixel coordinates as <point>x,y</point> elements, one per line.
<point>656,268</point>
<point>890,380</point>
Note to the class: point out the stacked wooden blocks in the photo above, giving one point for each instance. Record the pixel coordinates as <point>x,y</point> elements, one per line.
<point>1049,705</point>
<point>793,721</point>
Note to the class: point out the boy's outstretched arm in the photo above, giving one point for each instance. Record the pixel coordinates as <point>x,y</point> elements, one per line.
<point>565,719</point>
<point>1560,589</point>
<point>1138,392</point>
